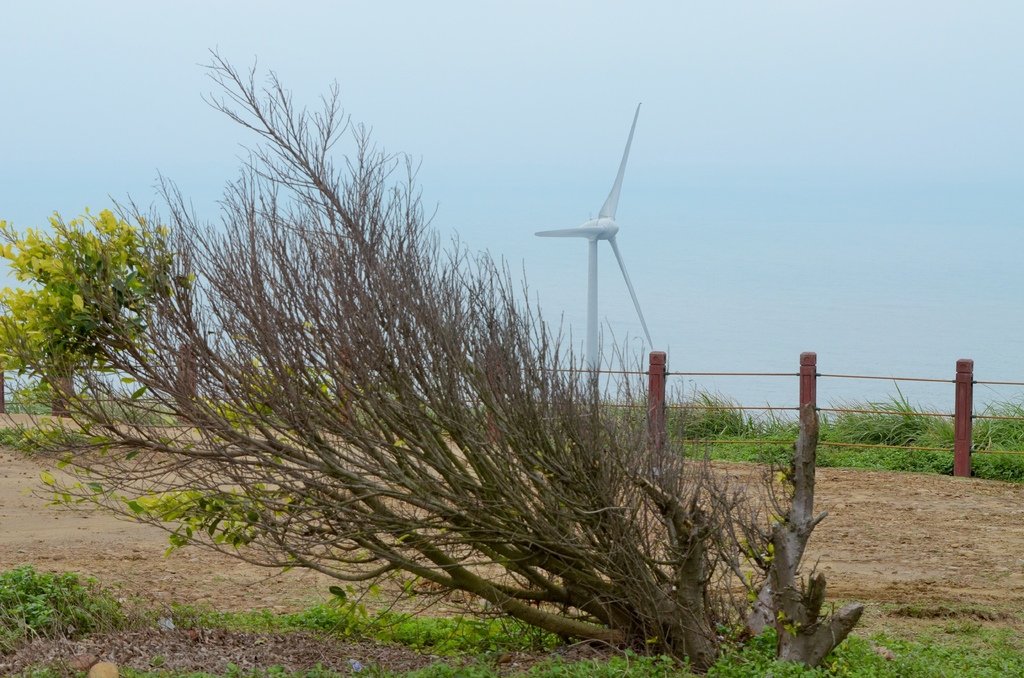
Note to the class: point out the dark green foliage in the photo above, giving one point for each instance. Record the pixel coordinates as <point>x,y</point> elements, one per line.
<point>52,605</point>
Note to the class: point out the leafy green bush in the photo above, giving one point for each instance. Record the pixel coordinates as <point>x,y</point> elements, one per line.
<point>89,284</point>
<point>52,605</point>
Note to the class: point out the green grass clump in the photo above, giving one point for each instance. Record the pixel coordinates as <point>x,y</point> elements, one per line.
<point>986,654</point>
<point>890,422</point>
<point>707,416</point>
<point>437,635</point>
<point>998,467</point>
<point>52,605</point>
<point>707,421</point>
<point>983,465</point>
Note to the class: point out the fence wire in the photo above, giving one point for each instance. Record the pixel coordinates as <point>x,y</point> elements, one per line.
<point>927,380</point>
<point>900,413</point>
<point>732,374</point>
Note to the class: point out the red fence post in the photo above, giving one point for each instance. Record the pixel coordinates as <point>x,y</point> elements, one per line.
<point>809,379</point>
<point>656,400</point>
<point>963,418</point>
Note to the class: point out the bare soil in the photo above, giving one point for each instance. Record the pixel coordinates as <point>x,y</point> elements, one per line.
<point>889,537</point>
<point>131,556</point>
<point>907,544</point>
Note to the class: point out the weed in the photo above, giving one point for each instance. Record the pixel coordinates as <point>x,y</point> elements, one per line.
<point>52,605</point>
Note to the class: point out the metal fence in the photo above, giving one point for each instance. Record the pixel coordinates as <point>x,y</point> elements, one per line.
<point>806,389</point>
<point>808,376</point>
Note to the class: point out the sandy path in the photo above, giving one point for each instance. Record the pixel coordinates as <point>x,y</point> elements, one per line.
<point>890,537</point>
<point>122,553</point>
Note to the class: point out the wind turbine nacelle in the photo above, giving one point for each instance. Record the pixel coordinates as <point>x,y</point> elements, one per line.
<point>603,228</point>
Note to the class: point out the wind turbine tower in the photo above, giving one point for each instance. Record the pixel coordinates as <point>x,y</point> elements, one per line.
<point>603,228</point>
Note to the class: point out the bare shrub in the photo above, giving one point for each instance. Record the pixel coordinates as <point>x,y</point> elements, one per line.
<point>328,387</point>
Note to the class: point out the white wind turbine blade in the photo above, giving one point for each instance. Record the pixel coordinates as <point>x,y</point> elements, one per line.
<point>612,203</point>
<point>581,232</point>
<point>632,292</point>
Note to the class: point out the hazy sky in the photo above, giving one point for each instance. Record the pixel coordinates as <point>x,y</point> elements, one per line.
<point>866,147</point>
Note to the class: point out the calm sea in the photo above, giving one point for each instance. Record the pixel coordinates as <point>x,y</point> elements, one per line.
<point>872,300</point>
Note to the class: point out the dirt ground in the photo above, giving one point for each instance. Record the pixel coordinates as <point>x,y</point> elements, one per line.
<point>890,538</point>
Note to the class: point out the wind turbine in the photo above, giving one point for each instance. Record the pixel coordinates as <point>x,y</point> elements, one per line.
<point>603,228</point>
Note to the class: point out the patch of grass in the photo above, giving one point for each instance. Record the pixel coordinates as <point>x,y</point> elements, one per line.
<point>965,647</point>
<point>15,406</point>
<point>626,665</point>
<point>707,416</point>
<point>862,657</point>
<point>994,466</point>
<point>270,672</point>
<point>983,465</point>
<point>1000,434</point>
<point>436,635</point>
<point>890,422</point>
<point>960,646</point>
<point>914,461</point>
<point>52,605</point>
<point>998,443</point>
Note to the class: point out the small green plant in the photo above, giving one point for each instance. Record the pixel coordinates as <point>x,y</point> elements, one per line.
<point>52,605</point>
<point>15,438</point>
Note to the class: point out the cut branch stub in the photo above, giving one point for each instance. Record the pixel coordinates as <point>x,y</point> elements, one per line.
<point>792,604</point>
